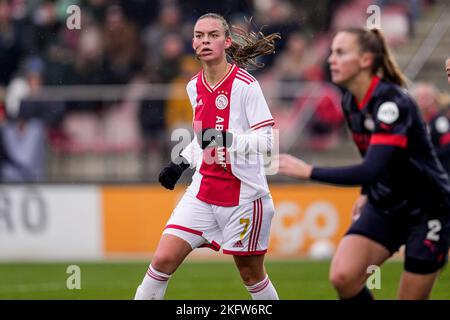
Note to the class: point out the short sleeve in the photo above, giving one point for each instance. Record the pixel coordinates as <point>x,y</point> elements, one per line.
<point>256,108</point>
<point>191,89</point>
<point>392,123</point>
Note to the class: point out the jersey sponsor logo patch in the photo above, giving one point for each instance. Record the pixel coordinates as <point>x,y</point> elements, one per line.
<point>221,101</point>
<point>442,125</point>
<point>388,112</point>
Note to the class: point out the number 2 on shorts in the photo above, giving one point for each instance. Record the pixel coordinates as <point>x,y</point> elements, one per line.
<point>434,226</point>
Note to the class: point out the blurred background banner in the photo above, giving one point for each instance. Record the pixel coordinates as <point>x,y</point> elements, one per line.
<point>93,222</point>
<point>50,222</point>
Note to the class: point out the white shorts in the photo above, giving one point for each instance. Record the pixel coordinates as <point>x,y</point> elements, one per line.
<point>240,230</point>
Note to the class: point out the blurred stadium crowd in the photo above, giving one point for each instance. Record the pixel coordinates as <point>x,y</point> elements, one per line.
<point>134,44</point>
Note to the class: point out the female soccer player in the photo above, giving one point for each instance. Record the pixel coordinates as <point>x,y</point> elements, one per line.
<point>405,192</point>
<point>426,96</point>
<point>228,203</point>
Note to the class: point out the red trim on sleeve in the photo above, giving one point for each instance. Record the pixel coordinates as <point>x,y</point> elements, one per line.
<point>263,124</point>
<point>444,139</point>
<point>389,139</point>
<point>243,79</point>
<point>249,78</point>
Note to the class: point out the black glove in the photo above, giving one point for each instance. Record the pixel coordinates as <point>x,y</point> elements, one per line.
<point>212,138</point>
<point>170,174</point>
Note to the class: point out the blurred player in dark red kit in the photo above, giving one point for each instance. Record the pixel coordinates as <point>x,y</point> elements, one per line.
<point>228,204</point>
<point>405,195</point>
<point>427,96</point>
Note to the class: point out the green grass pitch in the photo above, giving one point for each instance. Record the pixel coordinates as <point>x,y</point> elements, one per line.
<point>295,280</point>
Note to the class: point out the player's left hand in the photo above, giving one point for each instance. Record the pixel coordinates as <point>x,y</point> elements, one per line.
<point>213,138</point>
<point>294,167</point>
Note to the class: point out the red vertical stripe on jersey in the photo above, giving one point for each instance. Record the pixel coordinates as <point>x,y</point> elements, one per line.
<point>373,85</point>
<point>218,185</point>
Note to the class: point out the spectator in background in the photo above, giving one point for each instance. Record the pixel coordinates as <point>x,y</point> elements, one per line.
<point>295,61</point>
<point>88,63</point>
<point>142,12</point>
<point>278,16</point>
<point>45,25</point>
<point>89,56</point>
<point>5,157</point>
<point>177,113</point>
<point>121,47</point>
<point>318,15</point>
<point>169,22</point>
<point>97,8</point>
<point>25,134</point>
<point>11,47</point>
<point>438,121</point>
<point>171,52</point>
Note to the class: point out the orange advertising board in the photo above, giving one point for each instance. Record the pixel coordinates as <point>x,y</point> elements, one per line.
<point>307,214</point>
<point>134,217</point>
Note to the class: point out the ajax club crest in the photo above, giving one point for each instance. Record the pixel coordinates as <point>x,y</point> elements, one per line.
<point>221,101</point>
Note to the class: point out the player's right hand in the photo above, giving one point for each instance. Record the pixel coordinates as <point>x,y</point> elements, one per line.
<point>293,167</point>
<point>211,137</point>
<point>170,174</point>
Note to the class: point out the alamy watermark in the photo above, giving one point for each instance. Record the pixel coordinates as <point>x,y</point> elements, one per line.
<point>374,280</point>
<point>74,280</point>
<point>261,150</point>
<point>73,21</point>
<point>374,19</point>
